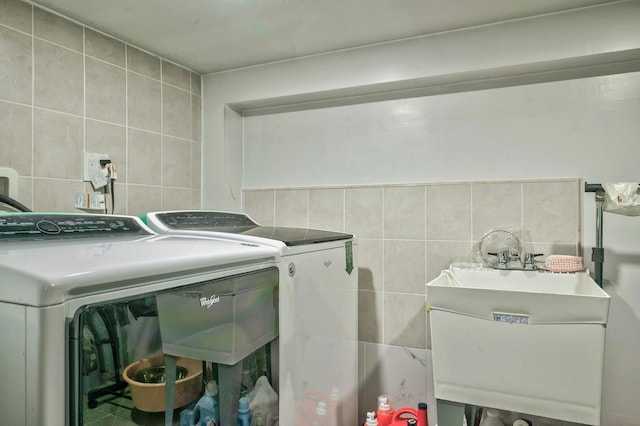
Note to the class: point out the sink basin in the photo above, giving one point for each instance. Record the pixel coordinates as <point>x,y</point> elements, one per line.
<point>524,341</point>
<point>544,297</point>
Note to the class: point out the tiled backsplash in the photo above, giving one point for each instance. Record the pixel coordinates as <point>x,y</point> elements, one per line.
<point>67,89</point>
<point>406,236</point>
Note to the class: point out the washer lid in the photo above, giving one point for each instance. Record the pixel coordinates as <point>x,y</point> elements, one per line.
<point>239,223</point>
<point>51,271</point>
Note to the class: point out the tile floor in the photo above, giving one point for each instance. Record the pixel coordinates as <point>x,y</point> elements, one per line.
<point>119,411</point>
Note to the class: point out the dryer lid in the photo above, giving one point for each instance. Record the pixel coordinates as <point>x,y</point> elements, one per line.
<point>239,223</point>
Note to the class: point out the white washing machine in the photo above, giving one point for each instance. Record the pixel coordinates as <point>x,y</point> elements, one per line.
<point>318,331</point>
<point>57,269</point>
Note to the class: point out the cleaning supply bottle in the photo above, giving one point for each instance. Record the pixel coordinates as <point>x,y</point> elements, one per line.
<point>244,418</point>
<point>258,418</point>
<point>371,419</point>
<point>208,407</point>
<point>334,408</point>
<point>384,413</point>
<point>423,415</point>
<point>320,419</point>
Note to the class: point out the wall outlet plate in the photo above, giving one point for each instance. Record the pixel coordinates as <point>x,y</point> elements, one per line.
<point>92,164</point>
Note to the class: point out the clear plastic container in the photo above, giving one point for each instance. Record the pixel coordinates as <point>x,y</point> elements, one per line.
<point>492,418</point>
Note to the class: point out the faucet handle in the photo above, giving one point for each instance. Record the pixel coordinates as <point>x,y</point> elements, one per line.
<point>502,259</point>
<point>529,261</point>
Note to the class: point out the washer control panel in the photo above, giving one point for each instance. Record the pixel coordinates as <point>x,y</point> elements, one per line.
<point>52,225</point>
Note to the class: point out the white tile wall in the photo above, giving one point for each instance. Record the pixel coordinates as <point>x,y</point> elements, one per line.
<point>406,236</point>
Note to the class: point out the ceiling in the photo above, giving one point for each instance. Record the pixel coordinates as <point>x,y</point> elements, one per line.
<point>216,35</point>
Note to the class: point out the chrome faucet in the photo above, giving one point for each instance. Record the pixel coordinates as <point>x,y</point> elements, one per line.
<point>510,260</point>
<point>529,263</point>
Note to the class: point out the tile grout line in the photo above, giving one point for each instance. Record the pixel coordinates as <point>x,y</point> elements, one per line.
<point>126,129</point>
<point>33,111</point>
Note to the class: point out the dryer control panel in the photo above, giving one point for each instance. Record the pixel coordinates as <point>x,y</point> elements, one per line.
<point>24,226</point>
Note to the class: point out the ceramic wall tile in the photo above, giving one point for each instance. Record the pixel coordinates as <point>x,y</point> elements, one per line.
<point>16,14</point>
<point>143,199</point>
<point>440,254</point>
<point>55,195</point>
<point>496,205</point>
<point>260,205</point>
<point>370,264</point>
<point>57,145</point>
<point>404,320</point>
<point>145,156</point>
<point>196,165</point>
<point>404,266</point>
<point>144,103</point>
<point>547,249</point>
<point>364,212</point>
<point>449,212</point>
<point>59,81</point>
<point>50,120</point>
<point>404,212</point>
<point>398,372</point>
<point>15,143</point>
<point>551,211</point>
<point>176,112</point>
<point>105,87</point>
<point>176,198</point>
<point>176,162</point>
<point>25,191</point>
<point>176,76</point>
<point>196,118</point>
<point>105,138</point>
<point>15,66</point>
<point>143,63</point>
<point>326,209</point>
<point>292,208</point>
<point>104,48</point>
<point>370,316</point>
<point>196,202</point>
<point>58,30</point>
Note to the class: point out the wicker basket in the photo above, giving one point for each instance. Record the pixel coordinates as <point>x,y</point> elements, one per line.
<point>150,397</point>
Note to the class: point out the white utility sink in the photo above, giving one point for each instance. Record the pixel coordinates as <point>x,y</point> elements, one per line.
<point>525,341</point>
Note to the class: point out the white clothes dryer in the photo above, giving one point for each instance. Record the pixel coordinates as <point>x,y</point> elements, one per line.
<point>318,316</point>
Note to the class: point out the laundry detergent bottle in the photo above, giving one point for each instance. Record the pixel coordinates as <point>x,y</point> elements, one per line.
<point>244,415</point>
<point>384,413</point>
<point>208,407</point>
<point>371,419</point>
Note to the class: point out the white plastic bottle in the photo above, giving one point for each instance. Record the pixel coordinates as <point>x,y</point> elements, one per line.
<point>371,419</point>
<point>492,419</point>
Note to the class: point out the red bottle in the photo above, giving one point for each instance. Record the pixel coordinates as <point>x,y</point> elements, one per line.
<point>384,413</point>
<point>423,417</point>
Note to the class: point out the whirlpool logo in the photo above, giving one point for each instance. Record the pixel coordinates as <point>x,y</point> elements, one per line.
<point>207,302</point>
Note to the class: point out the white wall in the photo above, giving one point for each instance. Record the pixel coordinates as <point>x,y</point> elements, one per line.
<point>558,129</point>
<point>585,128</point>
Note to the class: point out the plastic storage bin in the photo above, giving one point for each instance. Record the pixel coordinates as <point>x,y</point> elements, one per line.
<point>221,320</point>
<point>519,341</point>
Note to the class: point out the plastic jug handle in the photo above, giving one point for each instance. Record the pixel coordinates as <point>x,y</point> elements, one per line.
<point>405,414</point>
